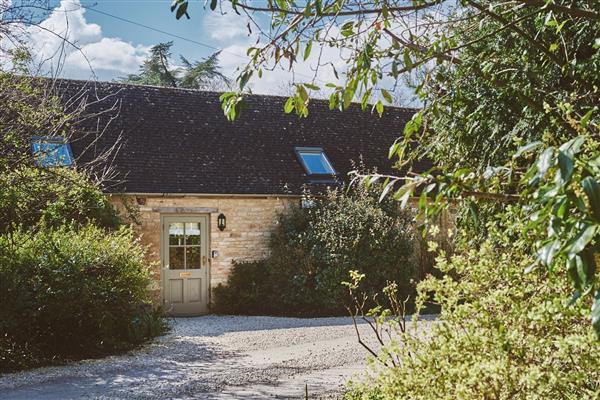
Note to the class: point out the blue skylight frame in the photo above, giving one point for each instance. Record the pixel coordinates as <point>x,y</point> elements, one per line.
<point>315,166</point>
<point>51,151</point>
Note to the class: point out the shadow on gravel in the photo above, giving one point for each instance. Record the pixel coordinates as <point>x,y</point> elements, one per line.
<point>168,362</point>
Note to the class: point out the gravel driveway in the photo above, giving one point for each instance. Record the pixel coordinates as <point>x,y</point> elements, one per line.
<point>211,357</point>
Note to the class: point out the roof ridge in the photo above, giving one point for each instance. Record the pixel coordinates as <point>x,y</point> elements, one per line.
<point>168,88</point>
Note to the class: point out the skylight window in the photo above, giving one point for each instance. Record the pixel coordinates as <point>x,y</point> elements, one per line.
<point>315,161</point>
<point>51,151</point>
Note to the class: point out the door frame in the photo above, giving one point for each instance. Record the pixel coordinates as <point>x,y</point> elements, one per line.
<point>163,251</point>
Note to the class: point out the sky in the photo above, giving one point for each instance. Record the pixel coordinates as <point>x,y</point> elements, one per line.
<point>107,47</point>
<point>109,39</point>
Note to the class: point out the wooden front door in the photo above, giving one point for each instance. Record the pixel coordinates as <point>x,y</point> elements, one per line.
<point>185,265</point>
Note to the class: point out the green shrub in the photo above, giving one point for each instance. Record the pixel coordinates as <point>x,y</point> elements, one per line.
<point>69,294</point>
<point>311,252</point>
<point>30,106</point>
<point>504,333</point>
<point>34,197</point>
<point>246,290</point>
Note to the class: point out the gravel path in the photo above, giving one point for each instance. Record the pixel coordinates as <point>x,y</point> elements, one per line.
<point>211,357</point>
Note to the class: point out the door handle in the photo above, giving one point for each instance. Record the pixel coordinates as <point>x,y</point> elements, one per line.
<point>203,260</point>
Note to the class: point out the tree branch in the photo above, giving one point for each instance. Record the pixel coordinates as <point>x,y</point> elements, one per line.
<point>574,12</point>
<point>360,11</point>
<point>541,47</point>
<point>422,49</point>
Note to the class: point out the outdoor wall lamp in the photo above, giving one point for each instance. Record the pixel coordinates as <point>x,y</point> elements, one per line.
<point>221,222</point>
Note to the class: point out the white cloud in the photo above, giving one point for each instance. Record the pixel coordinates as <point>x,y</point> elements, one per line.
<point>68,40</point>
<point>224,25</point>
<point>230,30</point>
<point>109,56</point>
<point>278,80</point>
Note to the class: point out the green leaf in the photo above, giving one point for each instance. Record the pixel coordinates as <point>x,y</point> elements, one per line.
<point>585,120</point>
<point>307,49</point>
<point>387,96</point>
<point>348,96</point>
<point>546,253</point>
<point>388,185</point>
<point>585,236</point>
<point>587,269</point>
<point>318,7</point>
<point>566,165</point>
<point>182,10</point>
<point>591,189</point>
<point>347,28</point>
<point>596,314</point>
<point>395,72</point>
<point>545,161</point>
<point>282,4</point>
<point>561,26</point>
<point>394,148</point>
<point>311,86</point>
<point>573,145</point>
<point>582,269</point>
<point>302,93</point>
<point>226,95</point>
<point>213,4</point>
<point>548,21</point>
<point>244,78</point>
<point>289,105</point>
<point>234,4</point>
<point>334,101</point>
<point>407,60</point>
<point>474,213</point>
<point>527,148</point>
<point>404,193</point>
<point>379,108</point>
<point>576,296</point>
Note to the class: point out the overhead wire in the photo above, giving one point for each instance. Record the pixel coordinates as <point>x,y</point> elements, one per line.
<point>176,36</point>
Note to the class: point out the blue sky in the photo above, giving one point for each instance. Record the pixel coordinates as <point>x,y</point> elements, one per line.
<point>157,14</point>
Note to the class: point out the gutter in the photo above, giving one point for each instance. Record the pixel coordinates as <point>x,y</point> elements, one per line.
<point>204,195</point>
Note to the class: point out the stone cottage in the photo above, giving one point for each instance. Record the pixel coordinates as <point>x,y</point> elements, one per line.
<point>209,190</point>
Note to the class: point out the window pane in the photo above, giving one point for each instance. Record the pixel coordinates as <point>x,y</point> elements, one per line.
<point>316,163</point>
<point>176,234</point>
<point>52,153</point>
<point>192,257</point>
<point>192,234</point>
<point>176,258</point>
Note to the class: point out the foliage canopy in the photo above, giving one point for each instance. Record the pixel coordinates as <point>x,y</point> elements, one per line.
<point>312,250</point>
<point>65,258</point>
<point>158,70</point>
<point>503,333</point>
<point>70,294</point>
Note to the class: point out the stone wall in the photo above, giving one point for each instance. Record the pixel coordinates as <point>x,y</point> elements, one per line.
<point>250,221</point>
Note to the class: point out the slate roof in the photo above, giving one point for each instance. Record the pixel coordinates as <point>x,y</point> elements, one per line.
<point>179,141</point>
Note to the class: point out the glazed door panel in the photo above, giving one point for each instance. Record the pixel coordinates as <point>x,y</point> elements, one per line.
<point>185,264</point>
